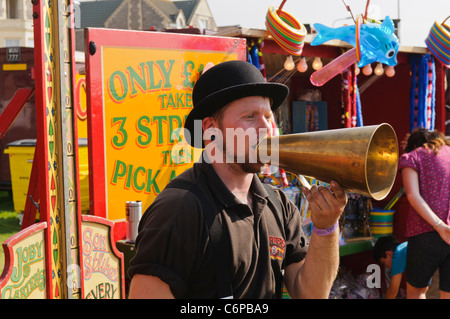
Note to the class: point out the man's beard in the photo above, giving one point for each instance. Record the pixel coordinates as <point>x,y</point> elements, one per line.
<point>237,147</point>
<point>247,163</point>
<point>246,160</point>
<point>251,167</point>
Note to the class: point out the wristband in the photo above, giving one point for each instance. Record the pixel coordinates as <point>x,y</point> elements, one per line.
<point>438,224</point>
<point>327,231</point>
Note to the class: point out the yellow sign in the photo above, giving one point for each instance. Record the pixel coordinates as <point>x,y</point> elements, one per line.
<point>15,67</point>
<point>102,264</point>
<point>147,96</point>
<point>25,254</point>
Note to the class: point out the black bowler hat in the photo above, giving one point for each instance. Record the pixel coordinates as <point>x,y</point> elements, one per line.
<point>224,83</point>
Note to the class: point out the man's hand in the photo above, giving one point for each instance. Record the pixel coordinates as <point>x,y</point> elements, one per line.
<point>326,204</point>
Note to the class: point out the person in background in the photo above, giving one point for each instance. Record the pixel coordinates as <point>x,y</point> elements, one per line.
<point>392,255</point>
<point>425,169</point>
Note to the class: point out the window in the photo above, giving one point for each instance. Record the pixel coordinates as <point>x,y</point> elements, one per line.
<point>30,43</point>
<point>12,43</point>
<point>203,24</point>
<point>180,22</point>
<point>13,9</point>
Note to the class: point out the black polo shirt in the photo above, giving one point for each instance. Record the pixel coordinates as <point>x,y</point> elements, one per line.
<point>173,241</point>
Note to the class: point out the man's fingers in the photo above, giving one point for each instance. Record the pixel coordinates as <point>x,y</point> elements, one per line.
<point>338,191</point>
<point>315,197</point>
<point>325,198</point>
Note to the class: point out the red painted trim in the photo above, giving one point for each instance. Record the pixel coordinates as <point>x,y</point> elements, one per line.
<point>14,107</point>
<point>41,125</point>
<point>97,190</point>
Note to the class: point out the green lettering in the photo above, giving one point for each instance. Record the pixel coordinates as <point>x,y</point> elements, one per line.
<point>152,181</point>
<point>165,154</point>
<point>32,252</point>
<point>120,170</point>
<point>122,83</point>
<point>135,177</point>
<point>17,271</point>
<point>188,67</point>
<point>145,133</point>
<point>121,132</point>
<point>151,76</point>
<point>162,96</point>
<point>180,100</point>
<point>159,119</point>
<point>174,130</point>
<point>39,248</point>
<point>181,156</point>
<point>107,289</point>
<point>136,78</point>
<point>170,102</point>
<point>128,181</point>
<point>188,100</point>
<point>165,72</point>
<point>25,254</point>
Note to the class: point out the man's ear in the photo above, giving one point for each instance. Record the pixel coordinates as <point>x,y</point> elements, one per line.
<point>210,129</point>
<point>208,122</point>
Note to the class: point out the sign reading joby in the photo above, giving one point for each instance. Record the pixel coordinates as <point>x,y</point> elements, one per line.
<point>140,86</point>
<point>24,273</point>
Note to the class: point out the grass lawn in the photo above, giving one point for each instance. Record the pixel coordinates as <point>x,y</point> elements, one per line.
<point>9,222</point>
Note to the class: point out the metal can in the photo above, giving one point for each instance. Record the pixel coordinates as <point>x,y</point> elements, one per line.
<point>134,213</point>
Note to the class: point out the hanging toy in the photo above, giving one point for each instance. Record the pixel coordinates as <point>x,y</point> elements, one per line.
<point>287,32</point>
<point>438,42</point>
<point>373,42</point>
<point>378,42</point>
<point>422,91</point>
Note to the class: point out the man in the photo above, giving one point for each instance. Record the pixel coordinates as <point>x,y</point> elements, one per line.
<point>175,256</point>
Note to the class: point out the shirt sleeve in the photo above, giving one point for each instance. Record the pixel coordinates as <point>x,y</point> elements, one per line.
<point>168,239</point>
<point>408,160</point>
<point>399,260</point>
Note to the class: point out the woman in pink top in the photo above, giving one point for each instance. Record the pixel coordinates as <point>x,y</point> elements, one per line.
<point>425,169</point>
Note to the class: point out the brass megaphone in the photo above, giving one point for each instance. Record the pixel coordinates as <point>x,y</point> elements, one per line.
<point>362,159</point>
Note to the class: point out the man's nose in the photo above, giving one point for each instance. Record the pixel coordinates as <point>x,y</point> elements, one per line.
<point>266,124</point>
<point>265,127</point>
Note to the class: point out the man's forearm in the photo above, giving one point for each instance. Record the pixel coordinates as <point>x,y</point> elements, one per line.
<point>316,276</point>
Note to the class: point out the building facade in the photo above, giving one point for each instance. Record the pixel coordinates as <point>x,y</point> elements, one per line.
<point>16,23</point>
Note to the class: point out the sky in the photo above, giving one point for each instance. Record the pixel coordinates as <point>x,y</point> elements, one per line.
<point>417,16</point>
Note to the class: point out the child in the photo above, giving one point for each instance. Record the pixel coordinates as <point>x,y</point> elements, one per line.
<point>391,254</point>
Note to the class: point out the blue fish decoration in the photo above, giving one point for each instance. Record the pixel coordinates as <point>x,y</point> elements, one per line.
<point>378,42</point>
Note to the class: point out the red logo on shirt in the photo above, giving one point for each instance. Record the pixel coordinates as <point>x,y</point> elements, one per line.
<point>277,246</point>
